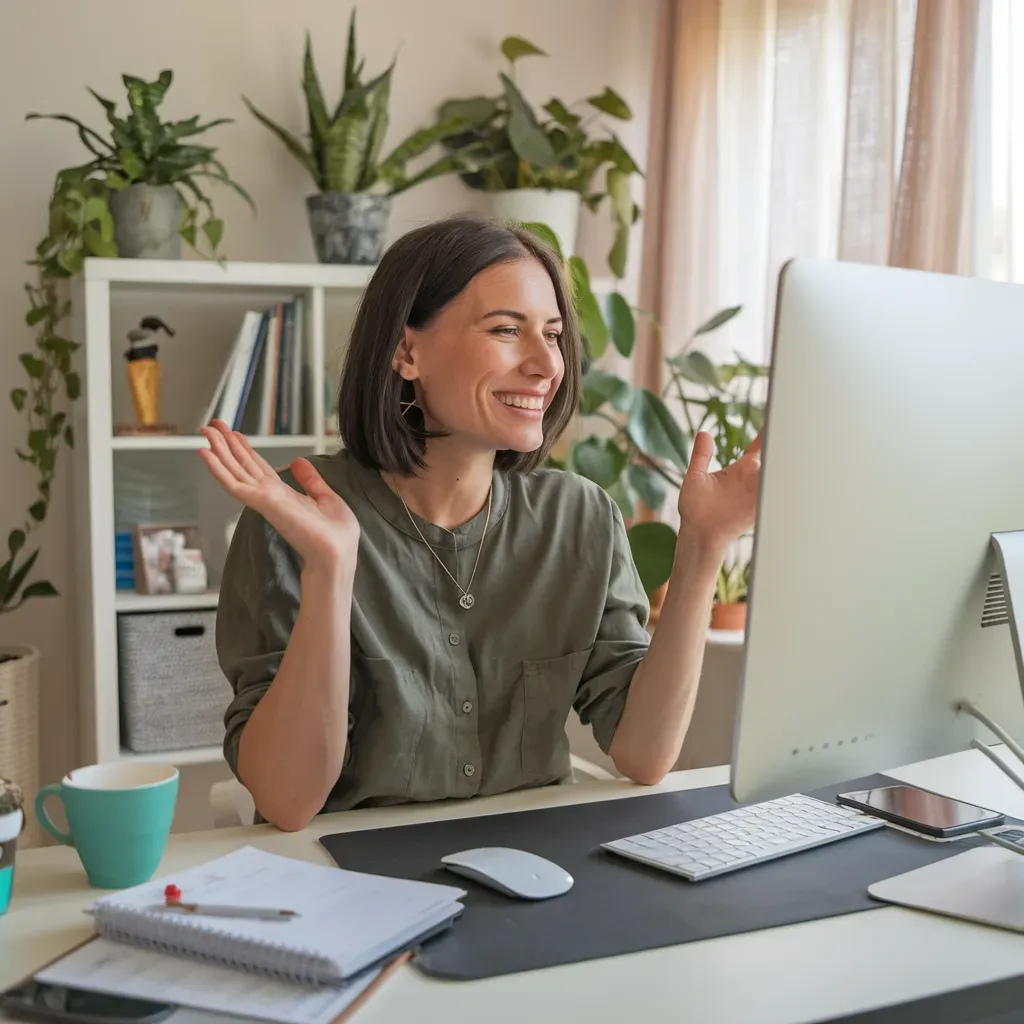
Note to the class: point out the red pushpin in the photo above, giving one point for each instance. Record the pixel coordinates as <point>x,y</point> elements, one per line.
<point>172,894</point>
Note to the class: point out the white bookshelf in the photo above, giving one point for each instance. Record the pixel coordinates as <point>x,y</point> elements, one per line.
<point>208,296</point>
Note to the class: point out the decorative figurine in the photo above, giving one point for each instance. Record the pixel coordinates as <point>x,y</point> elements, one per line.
<point>12,821</point>
<point>144,377</point>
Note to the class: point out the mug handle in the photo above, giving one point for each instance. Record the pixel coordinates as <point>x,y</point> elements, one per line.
<point>54,789</point>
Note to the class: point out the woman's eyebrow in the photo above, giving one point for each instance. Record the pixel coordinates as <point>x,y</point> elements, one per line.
<point>516,315</point>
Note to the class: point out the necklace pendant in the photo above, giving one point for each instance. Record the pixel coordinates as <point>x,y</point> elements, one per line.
<point>467,601</point>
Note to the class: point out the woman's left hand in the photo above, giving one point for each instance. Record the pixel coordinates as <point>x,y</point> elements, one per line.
<point>719,506</point>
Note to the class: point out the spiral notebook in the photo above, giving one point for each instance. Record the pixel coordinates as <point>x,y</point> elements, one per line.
<point>347,921</point>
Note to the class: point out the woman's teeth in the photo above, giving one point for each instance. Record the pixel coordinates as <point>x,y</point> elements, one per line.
<point>522,401</point>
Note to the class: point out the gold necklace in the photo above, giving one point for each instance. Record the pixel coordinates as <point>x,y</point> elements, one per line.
<point>467,600</point>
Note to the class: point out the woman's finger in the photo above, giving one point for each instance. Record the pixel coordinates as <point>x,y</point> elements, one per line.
<point>229,482</point>
<point>703,449</point>
<point>310,480</point>
<point>243,453</point>
<point>219,446</point>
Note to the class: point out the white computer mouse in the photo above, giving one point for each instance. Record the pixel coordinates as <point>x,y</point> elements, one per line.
<point>512,872</point>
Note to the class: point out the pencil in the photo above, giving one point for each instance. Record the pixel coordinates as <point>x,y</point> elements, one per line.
<point>372,987</point>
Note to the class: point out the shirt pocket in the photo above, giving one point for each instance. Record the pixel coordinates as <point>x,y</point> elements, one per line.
<point>549,686</point>
<point>387,716</point>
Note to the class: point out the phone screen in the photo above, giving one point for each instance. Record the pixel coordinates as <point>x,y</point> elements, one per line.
<point>928,809</point>
<point>37,1001</point>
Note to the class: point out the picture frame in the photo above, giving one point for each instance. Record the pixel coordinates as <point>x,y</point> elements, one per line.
<point>157,548</point>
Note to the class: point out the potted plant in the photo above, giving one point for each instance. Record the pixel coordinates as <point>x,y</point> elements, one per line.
<point>12,820</point>
<point>542,167</point>
<point>349,213</point>
<point>141,192</point>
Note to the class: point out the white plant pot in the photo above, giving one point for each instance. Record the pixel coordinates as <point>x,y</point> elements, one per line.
<point>559,209</point>
<point>19,728</point>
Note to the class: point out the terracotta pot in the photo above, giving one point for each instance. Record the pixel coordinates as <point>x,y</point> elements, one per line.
<point>657,600</point>
<point>729,616</point>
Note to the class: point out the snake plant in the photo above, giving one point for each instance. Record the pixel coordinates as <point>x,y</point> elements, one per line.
<point>344,147</point>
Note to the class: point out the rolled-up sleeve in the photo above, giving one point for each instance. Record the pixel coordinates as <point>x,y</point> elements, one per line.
<point>621,643</point>
<point>256,612</point>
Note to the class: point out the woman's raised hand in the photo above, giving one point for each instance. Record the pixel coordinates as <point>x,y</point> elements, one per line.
<point>317,524</point>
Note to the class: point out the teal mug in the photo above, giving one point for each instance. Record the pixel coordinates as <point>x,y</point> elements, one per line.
<point>119,816</point>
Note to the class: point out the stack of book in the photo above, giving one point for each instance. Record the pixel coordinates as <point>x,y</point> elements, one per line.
<point>262,388</point>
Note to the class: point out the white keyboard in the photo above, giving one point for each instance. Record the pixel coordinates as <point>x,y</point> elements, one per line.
<point>736,839</point>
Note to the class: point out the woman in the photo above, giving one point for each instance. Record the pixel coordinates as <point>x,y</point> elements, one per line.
<point>414,617</point>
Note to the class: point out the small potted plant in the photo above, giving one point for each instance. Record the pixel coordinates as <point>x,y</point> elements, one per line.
<point>141,192</point>
<point>541,167</point>
<point>12,821</point>
<point>349,213</point>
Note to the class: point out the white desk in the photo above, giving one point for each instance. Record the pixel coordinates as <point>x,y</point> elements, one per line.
<point>798,973</point>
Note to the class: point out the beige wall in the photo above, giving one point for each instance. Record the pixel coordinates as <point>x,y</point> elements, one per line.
<point>219,49</point>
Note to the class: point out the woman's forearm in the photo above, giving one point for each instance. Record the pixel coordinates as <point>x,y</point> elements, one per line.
<point>663,691</point>
<point>293,746</point>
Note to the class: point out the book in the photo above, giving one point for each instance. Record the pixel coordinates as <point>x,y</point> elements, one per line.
<point>347,921</point>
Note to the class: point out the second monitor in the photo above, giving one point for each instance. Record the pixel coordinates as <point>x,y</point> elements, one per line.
<point>893,451</point>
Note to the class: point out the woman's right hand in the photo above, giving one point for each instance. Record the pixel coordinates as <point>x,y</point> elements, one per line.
<point>317,524</point>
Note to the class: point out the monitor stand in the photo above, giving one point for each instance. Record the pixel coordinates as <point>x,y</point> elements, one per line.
<point>985,884</point>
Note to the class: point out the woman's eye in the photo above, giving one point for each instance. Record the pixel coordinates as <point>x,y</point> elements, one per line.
<point>506,332</point>
<point>553,336</point>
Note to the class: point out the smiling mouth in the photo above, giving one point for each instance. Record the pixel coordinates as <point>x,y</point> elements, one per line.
<point>529,403</point>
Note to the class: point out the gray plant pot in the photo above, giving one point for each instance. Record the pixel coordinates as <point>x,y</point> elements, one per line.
<point>348,228</point>
<point>146,221</point>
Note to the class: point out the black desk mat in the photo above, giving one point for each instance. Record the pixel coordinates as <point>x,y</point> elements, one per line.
<point>616,905</point>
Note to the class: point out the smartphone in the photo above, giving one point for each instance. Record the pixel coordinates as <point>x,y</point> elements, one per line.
<point>922,811</point>
<point>37,1001</point>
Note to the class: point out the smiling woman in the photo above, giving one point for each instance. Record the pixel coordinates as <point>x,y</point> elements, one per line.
<point>414,617</point>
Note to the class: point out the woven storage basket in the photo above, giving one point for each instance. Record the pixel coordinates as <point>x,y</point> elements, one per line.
<point>173,693</point>
<point>19,730</point>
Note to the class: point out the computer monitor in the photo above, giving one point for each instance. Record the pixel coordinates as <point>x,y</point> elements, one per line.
<point>893,451</point>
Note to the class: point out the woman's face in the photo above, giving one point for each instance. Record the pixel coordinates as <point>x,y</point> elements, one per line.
<point>489,365</point>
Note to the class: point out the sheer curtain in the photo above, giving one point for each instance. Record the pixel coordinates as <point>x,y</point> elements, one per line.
<point>830,128</point>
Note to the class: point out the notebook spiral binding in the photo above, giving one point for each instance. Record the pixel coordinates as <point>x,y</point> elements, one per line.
<point>209,944</point>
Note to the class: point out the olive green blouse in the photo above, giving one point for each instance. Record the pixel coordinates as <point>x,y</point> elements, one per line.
<point>444,701</point>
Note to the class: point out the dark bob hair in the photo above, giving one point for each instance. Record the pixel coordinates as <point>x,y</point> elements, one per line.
<point>416,278</point>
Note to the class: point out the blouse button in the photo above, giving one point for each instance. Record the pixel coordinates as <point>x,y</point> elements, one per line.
<point>467,706</point>
<point>454,639</point>
<point>469,770</point>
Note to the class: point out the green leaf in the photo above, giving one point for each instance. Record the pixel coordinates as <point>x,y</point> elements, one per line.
<point>617,253</point>
<point>648,485</point>
<point>15,541</point>
<point>697,368</point>
<point>600,460</point>
<point>69,436</point>
<point>562,114</point>
<point>474,111</point>
<point>292,144</point>
<point>611,103</point>
<point>598,387</point>
<point>16,580</point>
<point>73,385</point>
<point>653,430</point>
<point>545,233</point>
<point>525,135</point>
<point>720,318</point>
<point>34,316</point>
<point>621,493</point>
<point>213,228</point>
<point>417,144</point>
<point>756,416</point>
<point>71,260</point>
<point>654,550</point>
<point>18,396</point>
<point>95,209</point>
<point>38,511</point>
<point>592,325</point>
<point>38,440</point>
<point>34,366</point>
<point>621,323</point>
<point>514,47</point>
<point>131,163</point>
<point>41,588</point>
